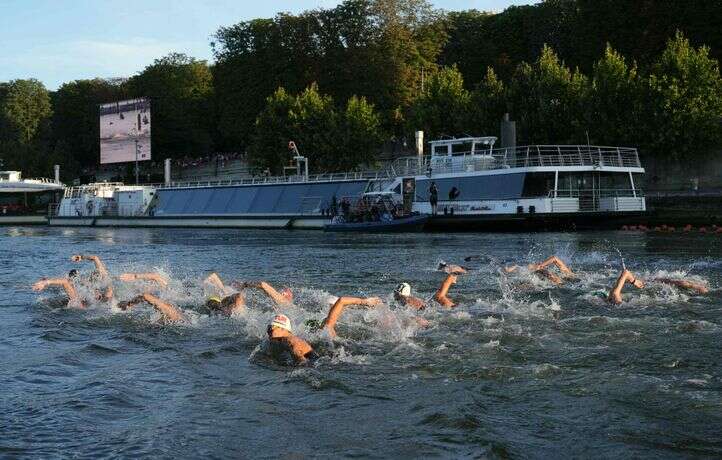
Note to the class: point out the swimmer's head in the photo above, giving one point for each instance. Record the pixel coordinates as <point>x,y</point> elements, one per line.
<point>72,273</point>
<point>287,294</point>
<point>213,303</point>
<point>403,290</point>
<point>280,323</point>
<point>442,265</point>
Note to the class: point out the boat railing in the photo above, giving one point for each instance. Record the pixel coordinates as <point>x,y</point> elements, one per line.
<point>295,179</point>
<point>518,157</point>
<point>599,193</point>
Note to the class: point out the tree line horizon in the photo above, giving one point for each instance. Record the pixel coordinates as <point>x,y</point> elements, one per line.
<point>342,82</point>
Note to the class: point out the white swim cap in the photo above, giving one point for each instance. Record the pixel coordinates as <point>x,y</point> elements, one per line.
<point>281,321</point>
<point>403,289</point>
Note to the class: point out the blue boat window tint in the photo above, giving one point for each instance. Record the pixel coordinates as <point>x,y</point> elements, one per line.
<point>290,200</point>
<point>218,202</point>
<point>241,200</point>
<point>491,187</point>
<point>176,202</point>
<point>351,189</point>
<point>198,200</point>
<point>266,199</point>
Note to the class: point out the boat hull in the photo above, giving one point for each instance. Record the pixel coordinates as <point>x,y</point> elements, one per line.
<point>407,224</point>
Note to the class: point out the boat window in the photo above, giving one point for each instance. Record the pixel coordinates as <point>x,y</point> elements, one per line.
<point>614,181</point>
<point>397,189</point>
<point>460,149</point>
<point>537,184</point>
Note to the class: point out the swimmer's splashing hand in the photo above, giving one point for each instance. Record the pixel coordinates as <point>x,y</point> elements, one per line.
<point>621,257</point>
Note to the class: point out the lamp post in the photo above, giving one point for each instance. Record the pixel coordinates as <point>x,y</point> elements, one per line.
<point>137,148</point>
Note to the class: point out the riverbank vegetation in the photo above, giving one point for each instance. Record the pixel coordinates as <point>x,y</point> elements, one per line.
<point>347,82</point>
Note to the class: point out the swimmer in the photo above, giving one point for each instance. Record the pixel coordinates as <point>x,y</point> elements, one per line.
<point>441,294</point>
<point>154,277</point>
<point>170,312</point>
<point>340,305</point>
<point>452,269</point>
<point>281,298</point>
<point>100,273</point>
<point>615,295</point>
<point>215,281</point>
<point>541,269</point>
<point>699,288</point>
<point>402,294</point>
<point>66,284</point>
<point>228,302</point>
<point>281,339</point>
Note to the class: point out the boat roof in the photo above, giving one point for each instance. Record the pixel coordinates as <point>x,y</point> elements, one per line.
<point>465,140</point>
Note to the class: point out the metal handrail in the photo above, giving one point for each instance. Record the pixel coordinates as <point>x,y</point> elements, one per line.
<point>519,157</point>
<point>598,193</point>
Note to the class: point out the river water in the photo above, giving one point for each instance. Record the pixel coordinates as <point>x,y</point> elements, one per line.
<point>519,369</point>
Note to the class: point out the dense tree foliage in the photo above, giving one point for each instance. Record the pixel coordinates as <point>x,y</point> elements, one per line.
<point>332,140</point>
<point>344,81</point>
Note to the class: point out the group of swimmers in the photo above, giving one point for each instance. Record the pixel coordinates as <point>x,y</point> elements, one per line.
<point>228,300</point>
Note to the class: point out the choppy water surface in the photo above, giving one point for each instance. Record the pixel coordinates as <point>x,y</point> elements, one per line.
<point>519,369</point>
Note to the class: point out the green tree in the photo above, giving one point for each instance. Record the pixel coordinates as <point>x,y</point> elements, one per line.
<point>487,105</point>
<point>332,141</point>
<point>25,110</point>
<point>443,107</point>
<point>273,130</point>
<point>685,102</point>
<point>316,123</point>
<point>181,90</point>
<point>548,100</point>
<point>359,134</point>
<point>614,100</point>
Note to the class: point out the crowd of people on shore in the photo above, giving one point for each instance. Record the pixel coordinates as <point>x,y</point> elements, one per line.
<point>230,299</point>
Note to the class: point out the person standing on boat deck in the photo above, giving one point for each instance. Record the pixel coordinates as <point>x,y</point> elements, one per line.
<point>433,197</point>
<point>334,206</point>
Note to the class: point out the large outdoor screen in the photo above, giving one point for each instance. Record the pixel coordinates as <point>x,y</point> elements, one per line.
<point>125,131</point>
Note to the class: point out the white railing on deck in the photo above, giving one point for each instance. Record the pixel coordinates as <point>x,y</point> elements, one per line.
<point>519,157</point>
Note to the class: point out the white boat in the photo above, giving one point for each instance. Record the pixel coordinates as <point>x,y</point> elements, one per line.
<point>479,187</point>
<point>25,201</point>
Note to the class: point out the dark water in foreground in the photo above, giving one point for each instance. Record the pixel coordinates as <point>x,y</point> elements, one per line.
<point>517,370</point>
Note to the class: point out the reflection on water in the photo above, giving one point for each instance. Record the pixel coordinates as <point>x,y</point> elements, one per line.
<point>519,369</point>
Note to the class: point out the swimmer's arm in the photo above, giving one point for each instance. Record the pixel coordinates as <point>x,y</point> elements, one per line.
<point>685,284</point>
<point>300,349</point>
<point>415,302</point>
<point>511,268</point>
<point>155,277</point>
<point>440,295</point>
<point>239,303</point>
<point>554,260</point>
<point>60,282</point>
<point>335,312</point>
<point>550,276</point>
<point>168,310</point>
<point>615,295</point>
<point>455,269</point>
<point>276,296</point>
<point>99,265</point>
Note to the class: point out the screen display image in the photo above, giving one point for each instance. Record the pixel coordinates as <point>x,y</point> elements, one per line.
<point>125,131</point>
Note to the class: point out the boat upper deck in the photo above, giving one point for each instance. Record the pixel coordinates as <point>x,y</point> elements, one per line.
<point>520,157</point>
